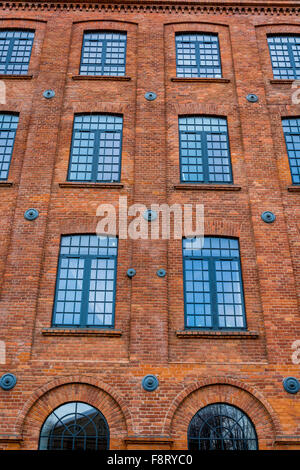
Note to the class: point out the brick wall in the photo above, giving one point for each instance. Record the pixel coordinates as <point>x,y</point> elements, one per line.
<point>193,370</point>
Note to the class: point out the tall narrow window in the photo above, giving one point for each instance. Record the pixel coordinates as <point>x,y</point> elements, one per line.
<point>103,53</point>
<point>221,426</point>
<point>8,128</point>
<point>96,148</point>
<point>285,56</point>
<point>86,281</point>
<point>204,150</point>
<point>291,129</point>
<point>15,51</point>
<point>213,284</point>
<point>198,55</point>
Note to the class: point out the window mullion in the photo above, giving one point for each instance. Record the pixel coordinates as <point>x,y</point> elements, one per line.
<point>213,292</point>
<point>85,291</point>
<point>9,53</point>
<point>204,157</point>
<point>197,53</point>
<point>291,56</point>
<point>104,46</point>
<point>96,155</point>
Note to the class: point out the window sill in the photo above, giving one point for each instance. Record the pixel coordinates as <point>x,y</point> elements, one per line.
<point>217,334</point>
<point>102,77</point>
<point>4,76</point>
<point>278,81</point>
<point>91,185</point>
<point>200,80</point>
<point>6,184</point>
<point>294,188</point>
<point>287,440</point>
<point>81,332</point>
<point>209,187</point>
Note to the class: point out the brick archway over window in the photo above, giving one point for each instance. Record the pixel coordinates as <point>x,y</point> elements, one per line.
<point>39,407</point>
<point>199,395</point>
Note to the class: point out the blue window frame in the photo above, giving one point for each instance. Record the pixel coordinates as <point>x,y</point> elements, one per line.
<point>96,148</point>
<point>86,282</point>
<point>75,426</point>
<point>15,51</point>
<point>285,56</point>
<point>198,55</point>
<point>103,53</point>
<point>213,286</point>
<point>8,129</point>
<point>291,129</point>
<point>204,150</point>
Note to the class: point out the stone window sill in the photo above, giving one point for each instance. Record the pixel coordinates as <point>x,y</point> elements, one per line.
<point>287,440</point>
<point>294,189</point>
<point>200,80</point>
<point>209,187</point>
<point>4,76</point>
<point>6,184</point>
<point>101,77</point>
<point>217,334</point>
<point>281,82</point>
<point>10,437</point>
<point>81,332</point>
<point>91,185</point>
<point>148,440</point>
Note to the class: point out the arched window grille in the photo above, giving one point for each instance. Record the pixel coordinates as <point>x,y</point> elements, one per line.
<point>221,427</point>
<point>75,426</point>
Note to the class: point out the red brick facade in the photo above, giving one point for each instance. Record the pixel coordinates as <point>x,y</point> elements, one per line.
<point>106,369</point>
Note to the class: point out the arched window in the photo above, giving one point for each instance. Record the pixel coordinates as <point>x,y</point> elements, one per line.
<point>221,427</point>
<point>75,426</point>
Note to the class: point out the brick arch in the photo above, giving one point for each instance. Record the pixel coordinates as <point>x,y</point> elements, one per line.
<point>200,109</point>
<point>226,390</point>
<point>108,107</point>
<point>57,392</point>
<point>222,227</point>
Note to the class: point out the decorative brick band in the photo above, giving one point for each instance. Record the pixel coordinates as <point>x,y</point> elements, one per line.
<point>282,9</point>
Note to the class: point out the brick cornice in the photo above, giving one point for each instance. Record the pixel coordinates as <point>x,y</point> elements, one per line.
<point>272,8</point>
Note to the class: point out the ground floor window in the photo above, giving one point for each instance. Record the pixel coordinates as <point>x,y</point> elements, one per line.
<point>221,427</point>
<point>75,426</point>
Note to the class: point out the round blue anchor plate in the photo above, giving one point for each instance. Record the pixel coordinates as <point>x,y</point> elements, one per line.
<point>31,214</point>
<point>252,98</point>
<point>8,381</point>
<point>268,217</point>
<point>291,385</point>
<point>150,96</point>
<point>48,94</point>
<point>150,383</point>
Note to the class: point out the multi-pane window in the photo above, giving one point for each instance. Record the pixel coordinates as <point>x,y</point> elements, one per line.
<point>198,55</point>
<point>86,281</point>
<point>15,51</point>
<point>285,56</point>
<point>291,129</point>
<point>221,426</point>
<point>103,53</point>
<point>213,283</point>
<point>204,150</point>
<point>75,426</point>
<point>96,148</point>
<point>8,128</point>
